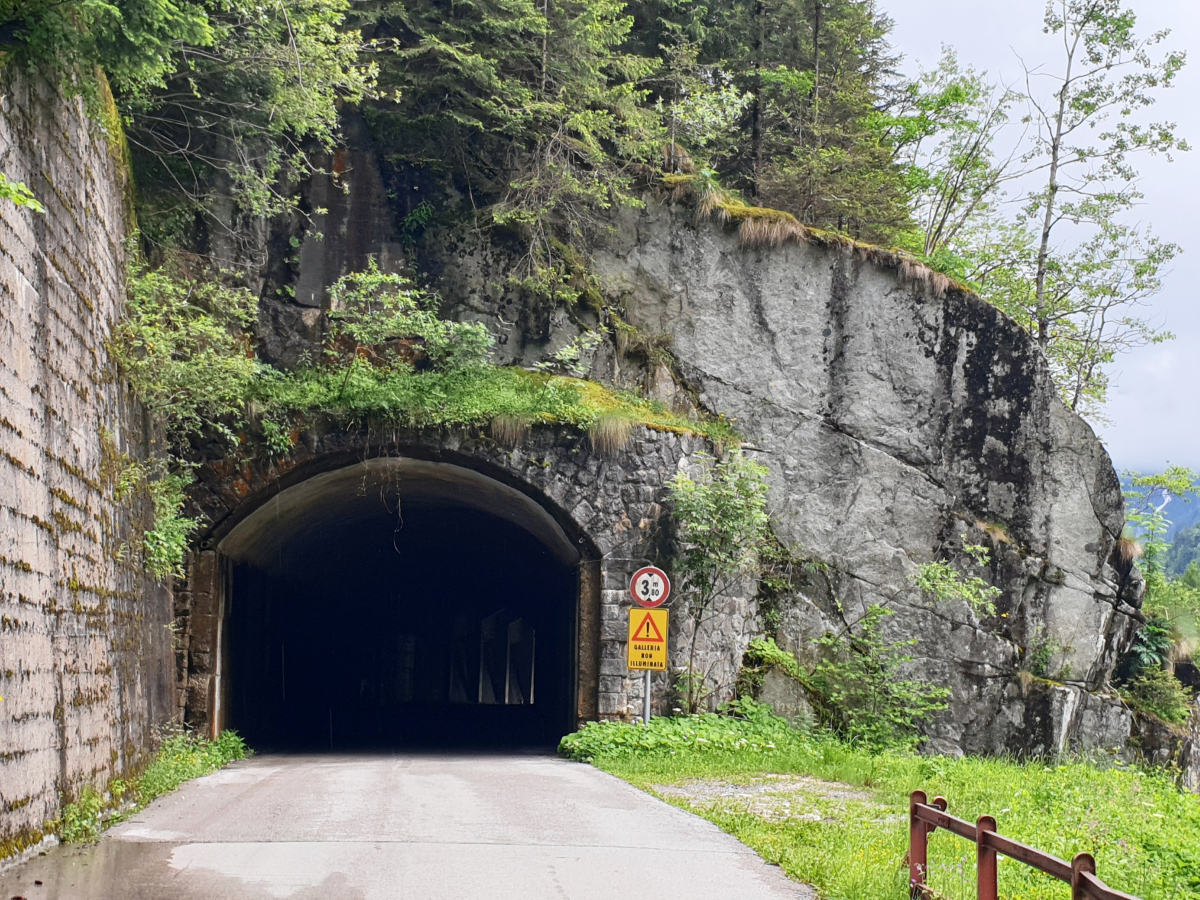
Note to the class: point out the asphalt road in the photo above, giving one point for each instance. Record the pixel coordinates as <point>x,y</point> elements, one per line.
<point>406,827</point>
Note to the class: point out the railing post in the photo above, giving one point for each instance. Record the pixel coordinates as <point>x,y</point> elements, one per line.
<point>918,847</point>
<point>1083,862</point>
<point>985,860</point>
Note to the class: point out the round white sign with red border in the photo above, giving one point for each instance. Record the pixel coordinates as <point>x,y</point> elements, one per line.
<point>650,587</point>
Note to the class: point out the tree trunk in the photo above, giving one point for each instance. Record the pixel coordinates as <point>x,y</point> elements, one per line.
<point>756,120</point>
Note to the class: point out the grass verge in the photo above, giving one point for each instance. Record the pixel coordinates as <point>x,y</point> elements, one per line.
<point>850,839</point>
<point>181,758</point>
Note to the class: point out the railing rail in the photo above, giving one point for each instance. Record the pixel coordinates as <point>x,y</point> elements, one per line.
<point>924,818</point>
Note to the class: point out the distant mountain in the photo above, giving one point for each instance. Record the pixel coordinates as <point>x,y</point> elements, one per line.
<point>1183,513</point>
<point>1184,549</point>
<point>1183,530</point>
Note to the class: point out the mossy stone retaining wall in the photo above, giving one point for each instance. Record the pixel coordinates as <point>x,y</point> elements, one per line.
<point>85,645</point>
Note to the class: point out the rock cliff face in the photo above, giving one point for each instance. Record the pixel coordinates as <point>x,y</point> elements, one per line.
<point>896,425</point>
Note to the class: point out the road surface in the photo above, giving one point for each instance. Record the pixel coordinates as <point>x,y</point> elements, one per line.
<point>406,827</point>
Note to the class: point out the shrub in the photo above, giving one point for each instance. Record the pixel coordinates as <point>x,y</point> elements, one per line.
<point>396,322</point>
<point>1159,692</point>
<point>724,529</point>
<point>945,584</point>
<point>861,694</point>
<point>741,726</point>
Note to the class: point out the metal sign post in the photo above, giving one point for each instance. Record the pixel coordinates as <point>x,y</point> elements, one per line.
<point>646,700</point>
<point>647,647</point>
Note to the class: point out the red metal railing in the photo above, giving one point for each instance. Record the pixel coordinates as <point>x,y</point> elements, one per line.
<point>924,818</point>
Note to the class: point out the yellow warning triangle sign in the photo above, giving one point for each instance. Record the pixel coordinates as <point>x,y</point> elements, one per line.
<point>647,630</point>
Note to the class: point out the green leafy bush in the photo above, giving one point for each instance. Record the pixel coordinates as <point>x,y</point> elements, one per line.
<point>744,726</point>
<point>1159,692</point>
<point>374,309</point>
<point>184,757</point>
<point>946,584</point>
<point>765,652</point>
<point>180,758</point>
<point>862,694</point>
<point>19,194</point>
<point>724,530</point>
<point>183,345</point>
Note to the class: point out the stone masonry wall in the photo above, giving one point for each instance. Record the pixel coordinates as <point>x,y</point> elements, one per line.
<point>84,638</point>
<point>615,505</point>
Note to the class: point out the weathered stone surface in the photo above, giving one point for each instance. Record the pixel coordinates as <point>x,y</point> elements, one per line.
<point>787,697</point>
<point>896,425</point>
<point>85,652</point>
<point>1191,767</point>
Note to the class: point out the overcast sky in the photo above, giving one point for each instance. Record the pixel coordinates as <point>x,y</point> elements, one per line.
<point>1154,404</point>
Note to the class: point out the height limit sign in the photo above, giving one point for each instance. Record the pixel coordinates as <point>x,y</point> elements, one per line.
<point>650,587</point>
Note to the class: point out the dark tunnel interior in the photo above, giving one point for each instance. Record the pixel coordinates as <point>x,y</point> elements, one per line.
<point>404,622</point>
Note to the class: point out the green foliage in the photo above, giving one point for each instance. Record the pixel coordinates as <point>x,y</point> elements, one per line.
<point>1152,646</point>
<point>1159,692</point>
<point>133,41</point>
<point>1184,554</point>
<point>1068,267</point>
<point>180,758</point>
<point>723,529</point>
<point>373,309</point>
<point>361,392</point>
<point>19,194</point>
<point>82,821</point>
<point>945,584</point>
<point>862,693</point>
<point>575,358</point>
<point>538,99</point>
<point>164,542</point>
<point>765,652</point>
<point>1147,498</point>
<point>845,831</point>
<point>816,138</point>
<point>217,95</point>
<point>242,114</point>
<point>1040,653</point>
<point>183,757</point>
<point>741,727</point>
<point>183,347</point>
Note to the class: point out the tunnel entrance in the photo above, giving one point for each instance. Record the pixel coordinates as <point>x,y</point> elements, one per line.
<point>400,603</point>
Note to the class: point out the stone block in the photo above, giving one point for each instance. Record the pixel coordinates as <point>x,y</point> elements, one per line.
<point>612,684</point>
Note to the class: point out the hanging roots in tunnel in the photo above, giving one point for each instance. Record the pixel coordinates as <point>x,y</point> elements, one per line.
<point>509,430</point>
<point>610,433</point>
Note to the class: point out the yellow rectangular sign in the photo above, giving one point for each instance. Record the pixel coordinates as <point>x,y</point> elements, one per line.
<point>647,648</point>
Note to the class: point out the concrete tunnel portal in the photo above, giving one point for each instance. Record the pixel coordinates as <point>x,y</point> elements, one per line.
<point>400,602</point>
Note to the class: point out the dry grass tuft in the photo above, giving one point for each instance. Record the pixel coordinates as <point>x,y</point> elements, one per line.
<point>677,160</point>
<point>509,430</point>
<point>1128,550</point>
<point>916,272</point>
<point>997,531</point>
<point>610,433</point>
<point>1025,680</point>
<point>770,232</point>
<point>762,227</point>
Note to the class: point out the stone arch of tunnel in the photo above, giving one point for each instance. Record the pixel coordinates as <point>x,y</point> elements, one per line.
<point>581,522</point>
<point>401,601</point>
